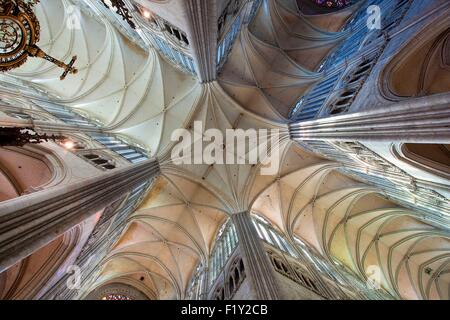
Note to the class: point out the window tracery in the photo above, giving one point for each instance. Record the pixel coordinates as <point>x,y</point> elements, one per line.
<point>176,33</point>
<point>280,266</point>
<point>234,276</point>
<point>159,24</point>
<point>352,84</point>
<point>100,161</point>
<point>293,271</point>
<point>228,14</point>
<point>194,290</point>
<point>81,149</point>
<point>219,294</point>
<point>117,291</point>
<point>226,242</point>
<point>169,40</point>
<point>114,296</point>
<point>271,236</point>
<point>234,16</point>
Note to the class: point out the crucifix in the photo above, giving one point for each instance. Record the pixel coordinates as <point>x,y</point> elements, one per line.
<point>35,51</point>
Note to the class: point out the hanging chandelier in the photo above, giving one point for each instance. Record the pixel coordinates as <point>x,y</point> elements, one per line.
<point>18,137</point>
<point>19,33</point>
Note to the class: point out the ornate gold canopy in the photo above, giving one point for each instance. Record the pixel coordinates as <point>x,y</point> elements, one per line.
<point>19,33</point>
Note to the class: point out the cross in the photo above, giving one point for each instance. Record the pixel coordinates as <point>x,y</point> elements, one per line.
<point>69,68</point>
<point>35,51</point>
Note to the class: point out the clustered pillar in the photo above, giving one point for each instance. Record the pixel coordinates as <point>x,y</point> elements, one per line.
<point>257,264</point>
<point>31,221</point>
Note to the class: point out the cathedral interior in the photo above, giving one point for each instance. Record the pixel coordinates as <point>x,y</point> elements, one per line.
<point>354,98</point>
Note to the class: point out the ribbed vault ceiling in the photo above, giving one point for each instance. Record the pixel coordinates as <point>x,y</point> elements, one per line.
<point>170,233</point>
<point>274,60</point>
<point>128,90</point>
<point>139,95</point>
<point>353,223</point>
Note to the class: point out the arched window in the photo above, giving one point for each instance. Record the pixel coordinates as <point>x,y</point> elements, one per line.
<point>268,234</point>
<point>228,14</point>
<point>422,68</point>
<point>176,33</point>
<point>352,84</point>
<point>117,291</point>
<point>219,294</point>
<point>226,242</point>
<point>280,265</point>
<point>115,296</point>
<point>100,161</point>
<point>233,278</point>
<point>434,158</point>
<point>236,276</point>
<point>195,285</point>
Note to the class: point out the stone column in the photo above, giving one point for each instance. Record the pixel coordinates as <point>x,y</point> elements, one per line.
<point>257,265</point>
<point>417,120</point>
<point>203,35</point>
<point>31,221</point>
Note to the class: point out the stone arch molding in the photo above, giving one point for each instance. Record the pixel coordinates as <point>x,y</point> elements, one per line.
<point>423,156</point>
<point>421,67</point>
<point>25,180</point>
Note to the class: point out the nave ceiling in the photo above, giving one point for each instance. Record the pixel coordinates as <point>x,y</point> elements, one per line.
<point>140,96</point>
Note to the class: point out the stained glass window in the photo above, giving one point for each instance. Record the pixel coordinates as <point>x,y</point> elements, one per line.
<point>333,3</point>
<point>195,284</point>
<point>116,296</point>
<point>267,233</point>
